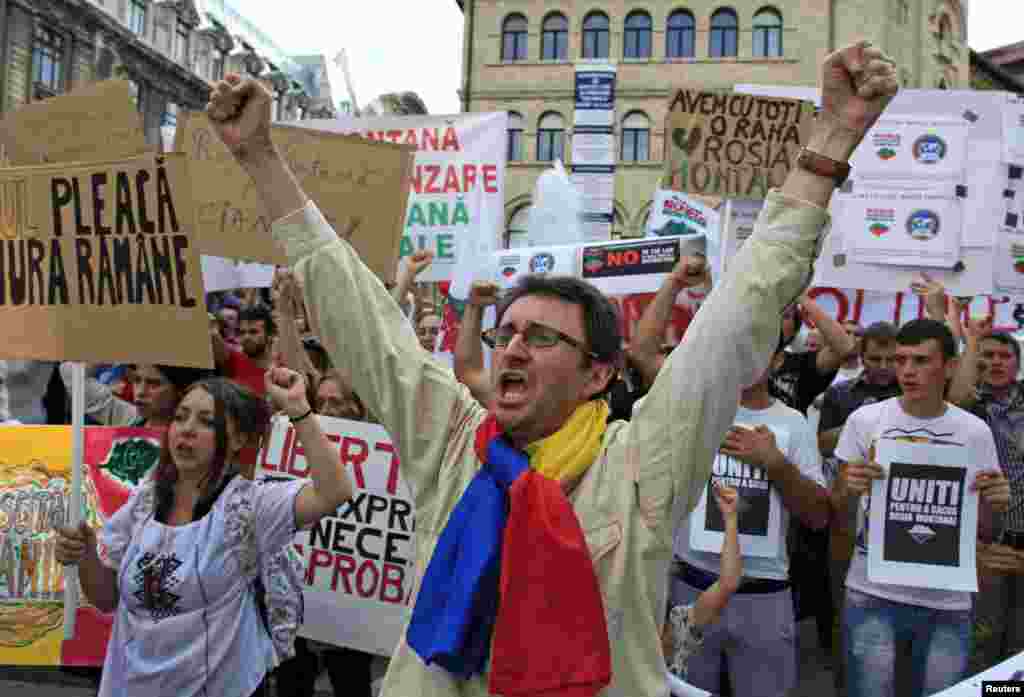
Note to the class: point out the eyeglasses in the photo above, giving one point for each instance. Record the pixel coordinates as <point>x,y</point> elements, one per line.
<point>535,335</point>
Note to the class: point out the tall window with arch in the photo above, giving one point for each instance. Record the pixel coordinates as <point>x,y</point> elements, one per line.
<point>517,230</point>
<point>550,137</point>
<point>724,34</point>
<point>515,136</point>
<point>137,17</point>
<point>637,37</point>
<point>768,33</point>
<point>596,35</point>
<point>680,39</point>
<point>554,38</point>
<point>48,53</point>
<point>513,38</point>
<point>636,137</point>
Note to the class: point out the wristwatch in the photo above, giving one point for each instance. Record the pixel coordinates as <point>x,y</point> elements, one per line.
<point>817,163</point>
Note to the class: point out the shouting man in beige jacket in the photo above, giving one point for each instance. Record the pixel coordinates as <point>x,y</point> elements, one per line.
<point>620,489</point>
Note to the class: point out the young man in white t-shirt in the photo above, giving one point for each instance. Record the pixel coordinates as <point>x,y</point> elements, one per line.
<point>882,621</point>
<point>771,456</point>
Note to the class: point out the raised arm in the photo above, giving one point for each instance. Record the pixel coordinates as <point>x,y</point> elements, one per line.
<point>329,486</point>
<point>289,344</point>
<point>963,390</point>
<point>680,425</point>
<point>645,349</point>
<point>220,348</point>
<point>838,343</point>
<point>101,404</point>
<point>710,603</point>
<point>418,400</point>
<point>413,267</point>
<point>469,353</point>
<point>936,304</point>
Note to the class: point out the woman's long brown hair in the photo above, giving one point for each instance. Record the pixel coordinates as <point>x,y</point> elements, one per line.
<point>251,417</point>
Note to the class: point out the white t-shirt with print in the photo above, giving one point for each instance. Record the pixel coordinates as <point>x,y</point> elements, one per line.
<point>873,422</point>
<point>797,441</point>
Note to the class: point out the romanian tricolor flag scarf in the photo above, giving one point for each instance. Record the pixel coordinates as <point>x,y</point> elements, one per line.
<point>511,578</point>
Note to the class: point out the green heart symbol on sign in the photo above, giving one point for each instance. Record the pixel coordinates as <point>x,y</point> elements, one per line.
<point>686,140</point>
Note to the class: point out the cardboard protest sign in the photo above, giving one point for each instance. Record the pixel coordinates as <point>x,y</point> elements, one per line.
<point>352,181</point>
<point>359,563</point>
<point>97,122</point>
<point>733,145</point>
<point>924,518</point>
<point>456,205</point>
<point>99,262</point>
<point>35,472</point>
<point>760,515</point>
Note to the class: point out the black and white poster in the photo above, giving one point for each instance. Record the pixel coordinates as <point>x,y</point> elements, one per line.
<point>760,508</point>
<point>924,532</point>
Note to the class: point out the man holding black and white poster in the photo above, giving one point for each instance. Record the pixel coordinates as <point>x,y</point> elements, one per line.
<point>770,456</point>
<point>881,620</point>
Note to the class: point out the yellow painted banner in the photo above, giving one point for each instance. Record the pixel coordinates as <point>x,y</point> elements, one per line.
<point>35,472</point>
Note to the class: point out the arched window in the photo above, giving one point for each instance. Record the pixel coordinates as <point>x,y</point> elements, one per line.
<point>680,38</point>
<point>550,137</point>
<point>767,33</point>
<point>515,136</point>
<point>637,42</point>
<point>636,137</point>
<point>595,35</point>
<point>513,38</point>
<point>554,40</point>
<point>724,31</point>
<point>517,231</point>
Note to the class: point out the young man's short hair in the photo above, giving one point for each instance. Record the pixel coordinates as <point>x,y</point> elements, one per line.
<point>918,331</point>
<point>880,333</point>
<point>259,313</point>
<point>1005,339</point>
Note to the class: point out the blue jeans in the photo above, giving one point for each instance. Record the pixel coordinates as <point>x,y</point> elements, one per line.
<point>876,631</point>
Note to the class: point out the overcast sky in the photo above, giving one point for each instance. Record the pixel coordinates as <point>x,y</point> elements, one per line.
<point>397,45</point>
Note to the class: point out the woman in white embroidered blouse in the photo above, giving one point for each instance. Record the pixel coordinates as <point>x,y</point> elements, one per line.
<point>178,562</point>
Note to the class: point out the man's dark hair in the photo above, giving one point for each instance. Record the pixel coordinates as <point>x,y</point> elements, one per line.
<point>259,313</point>
<point>600,315</point>
<point>881,333</point>
<point>918,331</point>
<point>1006,340</point>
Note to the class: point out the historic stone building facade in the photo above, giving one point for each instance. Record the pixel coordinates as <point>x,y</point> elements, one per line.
<point>518,56</point>
<point>168,49</point>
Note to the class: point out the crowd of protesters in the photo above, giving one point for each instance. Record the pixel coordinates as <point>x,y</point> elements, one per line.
<point>634,428</point>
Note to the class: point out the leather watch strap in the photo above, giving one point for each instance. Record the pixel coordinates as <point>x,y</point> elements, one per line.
<point>823,166</point>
